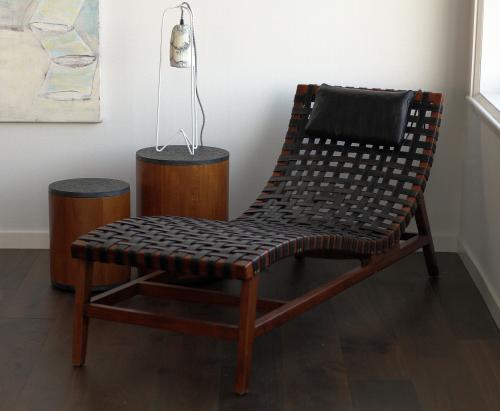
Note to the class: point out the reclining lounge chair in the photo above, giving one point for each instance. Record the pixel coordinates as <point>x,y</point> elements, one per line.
<point>328,197</point>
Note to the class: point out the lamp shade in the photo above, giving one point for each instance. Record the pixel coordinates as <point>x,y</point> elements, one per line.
<point>180,46</point>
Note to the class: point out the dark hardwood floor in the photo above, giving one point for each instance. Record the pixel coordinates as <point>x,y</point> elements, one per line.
<point>397,341</point>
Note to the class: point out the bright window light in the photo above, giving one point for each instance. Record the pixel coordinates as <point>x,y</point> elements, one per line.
<point>485,87</point>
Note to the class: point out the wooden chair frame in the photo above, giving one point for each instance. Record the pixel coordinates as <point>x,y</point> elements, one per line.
<point>275,312</point>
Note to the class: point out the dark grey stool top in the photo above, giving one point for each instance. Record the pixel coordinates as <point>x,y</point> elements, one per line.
<point>179,155</point>
<point>89,187</point>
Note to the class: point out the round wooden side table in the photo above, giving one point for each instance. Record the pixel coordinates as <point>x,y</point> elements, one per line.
<point>174,182</point>
<point>78,206</point>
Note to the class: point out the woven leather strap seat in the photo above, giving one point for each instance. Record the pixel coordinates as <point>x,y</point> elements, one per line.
<point>325,194</point>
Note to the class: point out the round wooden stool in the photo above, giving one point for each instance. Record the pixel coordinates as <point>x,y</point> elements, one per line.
<point>174,182</point>
<point>76,207</point>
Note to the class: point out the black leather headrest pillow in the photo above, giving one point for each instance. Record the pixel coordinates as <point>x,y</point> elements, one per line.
<point>360,115</point>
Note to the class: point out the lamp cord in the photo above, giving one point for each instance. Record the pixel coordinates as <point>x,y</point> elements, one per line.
<point>186,4</point>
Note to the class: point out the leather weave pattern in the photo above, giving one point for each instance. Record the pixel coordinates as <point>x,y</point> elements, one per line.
<point>324,194</point>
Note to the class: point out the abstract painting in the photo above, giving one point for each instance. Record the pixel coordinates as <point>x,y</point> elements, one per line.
<point>49,61</point>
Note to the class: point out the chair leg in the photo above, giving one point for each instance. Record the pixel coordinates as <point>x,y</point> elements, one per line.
<point>246,334</point>
<point>425,229</point>
<point>81,321</point>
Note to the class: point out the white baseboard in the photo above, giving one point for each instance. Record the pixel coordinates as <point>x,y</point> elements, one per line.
<point>40,240</point>
<point>24,239</point>
<point>479,277</point>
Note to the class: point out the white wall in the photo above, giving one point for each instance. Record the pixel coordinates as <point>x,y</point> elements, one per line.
<point>480,228</point>
<point>247,81</point>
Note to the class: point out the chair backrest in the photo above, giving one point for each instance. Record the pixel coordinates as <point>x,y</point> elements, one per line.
<point>364,189</point>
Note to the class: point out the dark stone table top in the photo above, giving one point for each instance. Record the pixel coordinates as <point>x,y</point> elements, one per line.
<point>179,155</point>
<point>89,187</point>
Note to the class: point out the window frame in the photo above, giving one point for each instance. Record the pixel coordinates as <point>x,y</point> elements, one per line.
<point>479,100</point>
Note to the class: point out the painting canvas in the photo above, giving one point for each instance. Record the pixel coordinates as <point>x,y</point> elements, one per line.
<point>49,61</point>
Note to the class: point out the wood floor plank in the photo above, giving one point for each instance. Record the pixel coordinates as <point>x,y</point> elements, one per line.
<point>483,359</point>
<point>34,297</point>
<point>410,308</point>
<point>369,345</point>
<point>21,342</point>
<point>52,378</point>
<point>465,310</point>
<point>440,374</point>
<point>384,396</point>
<point>314,375</point>
<point>396,341</point>
<point>119,375</point>
<point>199,381</point>
<point>14,265</point>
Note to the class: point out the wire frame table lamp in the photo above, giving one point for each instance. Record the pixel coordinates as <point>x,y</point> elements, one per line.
<point>183,54</point>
